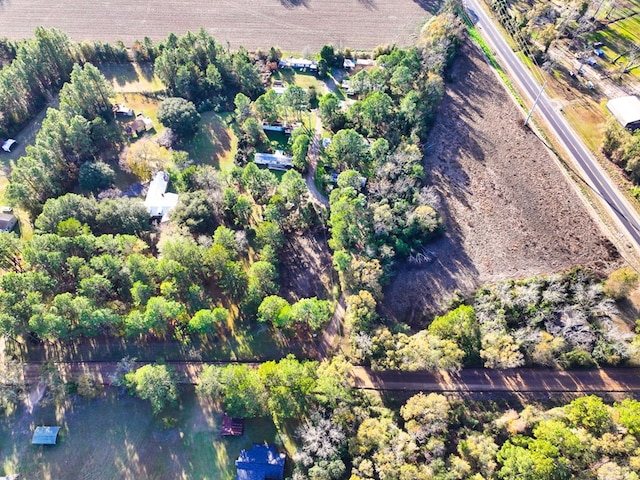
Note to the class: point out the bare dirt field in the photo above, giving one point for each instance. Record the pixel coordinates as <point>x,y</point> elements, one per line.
<point>294,25</point>
<point>509,211</point>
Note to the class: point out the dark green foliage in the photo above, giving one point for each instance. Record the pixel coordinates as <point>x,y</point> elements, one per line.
<point>40,67</point>
<point>95,176</point>
<point>180,116</point>
<point>155,383</point>
<point>239,388</point>
<point>196,211</point>
<point>196,67</point>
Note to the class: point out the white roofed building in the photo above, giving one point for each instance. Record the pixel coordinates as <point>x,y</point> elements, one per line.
<point>626,110</point>
<point>159,202</point>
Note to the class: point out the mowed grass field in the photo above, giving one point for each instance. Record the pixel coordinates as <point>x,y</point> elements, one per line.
<point>294,25</point>
<point>117,437</point>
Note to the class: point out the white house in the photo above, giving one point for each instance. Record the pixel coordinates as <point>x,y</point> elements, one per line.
<point>626,110</point>
<point>159,202</point>
<point>277,161</point>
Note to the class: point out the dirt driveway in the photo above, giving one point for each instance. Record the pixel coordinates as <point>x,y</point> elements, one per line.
<point>509,211</point>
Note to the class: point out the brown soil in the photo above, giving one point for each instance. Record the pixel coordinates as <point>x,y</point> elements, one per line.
<point>509,210</point>
<point>306,270</point>
<point>294,25</point>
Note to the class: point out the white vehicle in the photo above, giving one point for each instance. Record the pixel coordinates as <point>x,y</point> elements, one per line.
<point>8,145</point>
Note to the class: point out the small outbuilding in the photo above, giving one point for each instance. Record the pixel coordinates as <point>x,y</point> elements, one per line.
<point>262,462</point>
<point>7,145</point>
<point>45,436</point>
<point>7,222</point>
<point>626,110</point>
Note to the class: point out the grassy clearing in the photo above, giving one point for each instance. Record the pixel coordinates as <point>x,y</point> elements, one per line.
<point>215,143</point>
<point>116,437</point>
<point>303,79</point>
<point>132,77</point>
<point>620,36</point>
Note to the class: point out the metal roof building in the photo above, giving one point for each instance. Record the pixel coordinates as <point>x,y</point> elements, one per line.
<point>262,462</point>
<point>626,110</point>
<point>45,435</point>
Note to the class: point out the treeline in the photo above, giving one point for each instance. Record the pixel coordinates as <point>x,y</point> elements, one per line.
<point>197,68</point>
<point>70,136</point>
<point>34,70</point>
<point>562,321</point>
<point>433,437</point>
<point>56,280</point>
<point>623,148</point>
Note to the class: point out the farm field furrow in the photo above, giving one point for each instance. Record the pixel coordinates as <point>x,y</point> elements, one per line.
<point>294,25</point>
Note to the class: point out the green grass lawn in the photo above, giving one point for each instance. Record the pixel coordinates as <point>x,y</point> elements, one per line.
<point>132,77</point>
<point>115,437</point>
<point>620,36</point>
<point>278,140</point>
<point>215,143</point>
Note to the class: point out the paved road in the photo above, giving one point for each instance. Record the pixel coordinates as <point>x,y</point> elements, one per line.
<point>465,381</point>
<point>588,166</point>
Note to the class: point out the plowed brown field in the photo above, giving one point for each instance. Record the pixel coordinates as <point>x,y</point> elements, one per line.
<point>294,25</point>
<point>510,212</point>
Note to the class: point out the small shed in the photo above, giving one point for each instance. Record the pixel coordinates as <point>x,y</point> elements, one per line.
<point>7,222</point>
<point>121,110</point>
<point>232,426</point>
<point>8,145</point>
<point>262,462</point>
<point>348,64</point>
<point>45,436</point>
<point>626,110</point>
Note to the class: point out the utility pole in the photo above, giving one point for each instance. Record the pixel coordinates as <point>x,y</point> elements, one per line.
<point>526,122</point>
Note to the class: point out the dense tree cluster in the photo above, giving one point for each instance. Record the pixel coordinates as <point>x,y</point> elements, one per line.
<point>197,68</point>
<point>623,148</point>
<point>288,388</point>
<point>38,68</point>
<point>559,321</point>
<point>69,137</point>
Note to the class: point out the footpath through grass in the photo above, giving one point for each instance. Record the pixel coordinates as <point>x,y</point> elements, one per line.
<point>117,437</point>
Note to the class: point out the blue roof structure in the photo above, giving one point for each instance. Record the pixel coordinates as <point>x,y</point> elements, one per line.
<point>45,436</point>
<point>262,462</point>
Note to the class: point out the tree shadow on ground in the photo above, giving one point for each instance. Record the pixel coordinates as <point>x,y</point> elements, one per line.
<point>368,4</point>
<point>120,73</point>
<point>431,6</point>
<point>294,3</point>
<point>147,70</point>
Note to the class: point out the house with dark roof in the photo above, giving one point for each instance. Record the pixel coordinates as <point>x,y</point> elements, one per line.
<point>262,462</point>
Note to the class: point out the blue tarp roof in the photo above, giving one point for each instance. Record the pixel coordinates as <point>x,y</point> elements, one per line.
<point>45,435</point>
<point>260,463</point>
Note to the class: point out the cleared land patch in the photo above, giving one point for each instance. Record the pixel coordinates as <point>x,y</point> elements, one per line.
<point>294,26</point>
<point>117,437</point>
<point>510,212</point>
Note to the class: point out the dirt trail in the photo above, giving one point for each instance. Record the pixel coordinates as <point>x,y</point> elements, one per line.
<point>508,208</point>
<point>466,380</point>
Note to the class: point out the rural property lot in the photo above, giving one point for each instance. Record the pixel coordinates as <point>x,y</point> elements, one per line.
<point>294,25</point>
<point>510,213</point>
